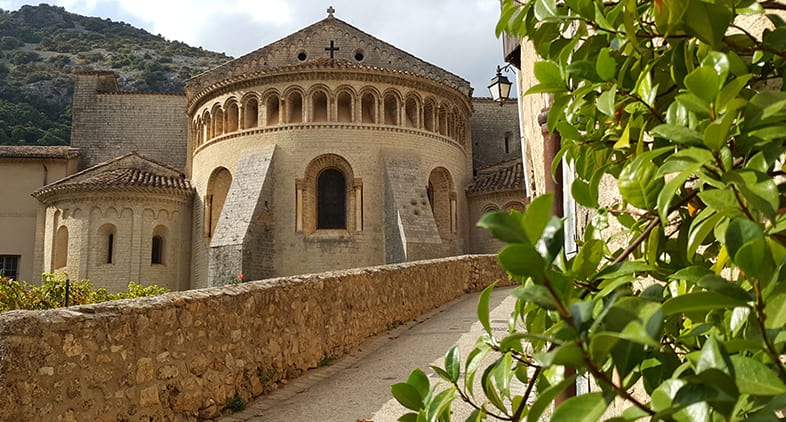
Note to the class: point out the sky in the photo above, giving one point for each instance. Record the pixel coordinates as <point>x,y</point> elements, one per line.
<point>457,35</point>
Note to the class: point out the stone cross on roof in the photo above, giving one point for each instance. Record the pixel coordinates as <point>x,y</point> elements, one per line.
<point>331,11</point>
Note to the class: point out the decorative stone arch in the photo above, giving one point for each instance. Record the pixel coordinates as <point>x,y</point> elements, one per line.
<point>319,101</point>
<point>106,246</point>
<point>369,105</point>
<point>272,104</point>
<point>217,189</point>
<point>346,97</point>
<point>391,105</point>
<point>218,120</point>
<point>294,100</point>
<point>318,189</point>
<point>158,245</point>
<point>250,111</point>
<point>514,205</point>
<point>231,116</point>
<point>430,115</point>
<point>412,110</point>
<point>489,208</point>
<point>442,198</point>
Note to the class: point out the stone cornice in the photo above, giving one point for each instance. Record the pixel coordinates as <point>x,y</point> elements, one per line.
<point>331,125</point>
<point>137,194</point>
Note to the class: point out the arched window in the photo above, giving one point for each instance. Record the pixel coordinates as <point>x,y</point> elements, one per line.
<point>331,200</point>
<point>319,103</point>
<point>158,246</point>
<point>217,190</point>
<point>295,108</point>
<point>428,116</point>
<point>368,108</point>
<point>107,235</point>
<point>251,114</point>
<point>157,250</point>
<point>233,114</point>
<point>391,110</point>
<point>218,121</point>
<point>443,120</point>
<point>272,110</point>
<point>61,248</point>
<point>208,127</point>
<point>412,113</point>
<point>328,197</point>
<point>344,102</point>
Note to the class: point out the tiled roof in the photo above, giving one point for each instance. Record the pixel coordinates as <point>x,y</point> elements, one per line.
<point>33,152</point>
<point>130,172</point>
<point>507,176</point>
<point>131,177</point>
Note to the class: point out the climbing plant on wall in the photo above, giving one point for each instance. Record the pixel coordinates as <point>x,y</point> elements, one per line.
<point>683,318</point>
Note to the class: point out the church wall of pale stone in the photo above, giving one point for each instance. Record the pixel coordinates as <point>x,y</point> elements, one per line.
<point>88,251</point>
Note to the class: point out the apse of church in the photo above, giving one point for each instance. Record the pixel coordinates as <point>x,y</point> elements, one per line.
<point>328,149</point>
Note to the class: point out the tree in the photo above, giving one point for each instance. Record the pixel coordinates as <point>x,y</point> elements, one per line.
<point>686,110</point>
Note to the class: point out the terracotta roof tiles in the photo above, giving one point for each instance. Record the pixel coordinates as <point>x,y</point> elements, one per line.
<point>507,176</point>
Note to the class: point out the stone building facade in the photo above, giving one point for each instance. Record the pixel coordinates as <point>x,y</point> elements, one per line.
<point>325,150</point>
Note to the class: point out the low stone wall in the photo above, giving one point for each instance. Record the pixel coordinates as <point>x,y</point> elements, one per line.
<point>180,356</point>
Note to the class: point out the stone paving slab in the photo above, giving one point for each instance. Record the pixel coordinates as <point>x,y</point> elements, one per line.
<point>357,386</point>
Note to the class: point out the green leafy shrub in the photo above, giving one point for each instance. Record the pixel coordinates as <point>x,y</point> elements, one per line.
<point>52,293</point>
<point>686,111</point>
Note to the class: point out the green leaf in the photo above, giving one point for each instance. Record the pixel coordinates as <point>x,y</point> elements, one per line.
<point>504,226</point>
<point>755,378</point>
<point>637,182</point>
<point>483,307</point>
<point>678,134</point>
<point>419,380</point>
<point>701,228</point>
<point>538,215</point>
<point>439,404</point>
<point>670,189</point>
<point>717,132</point>
<point>453,364</point>
<point>586,407</point>
<point>647,92</point>
<point>607,101</point>
<point>587,260</point>
<point>522,260</point>
<point>714,356</point>
<point>407,395</point>
<point>707,22</point>
<point>474,360</point>
<point>549,74</point>
<point>700,302</point>
<point>567,354</point>
<point>746,245</point>
<point>535,293</point>
<point>546,397</point>
<point>704,82</point>
<point>408,417</point>
<point>582,69</point>
<point>606,66</point>
<point>545,9</point>
<point>694,103</point>
<point>776,308</point>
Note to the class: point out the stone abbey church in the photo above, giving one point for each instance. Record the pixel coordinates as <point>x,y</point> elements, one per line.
<point>329,149</point>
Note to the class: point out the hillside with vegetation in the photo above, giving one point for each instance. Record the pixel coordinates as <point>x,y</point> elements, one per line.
<point>41,47</point>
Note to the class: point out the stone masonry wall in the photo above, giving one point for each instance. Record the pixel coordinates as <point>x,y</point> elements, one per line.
<point>179,356</point>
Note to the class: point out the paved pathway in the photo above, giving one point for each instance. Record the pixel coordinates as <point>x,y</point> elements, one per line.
<point>357,386</point>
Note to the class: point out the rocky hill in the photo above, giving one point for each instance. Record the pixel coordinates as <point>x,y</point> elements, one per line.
<point>42,46</point>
